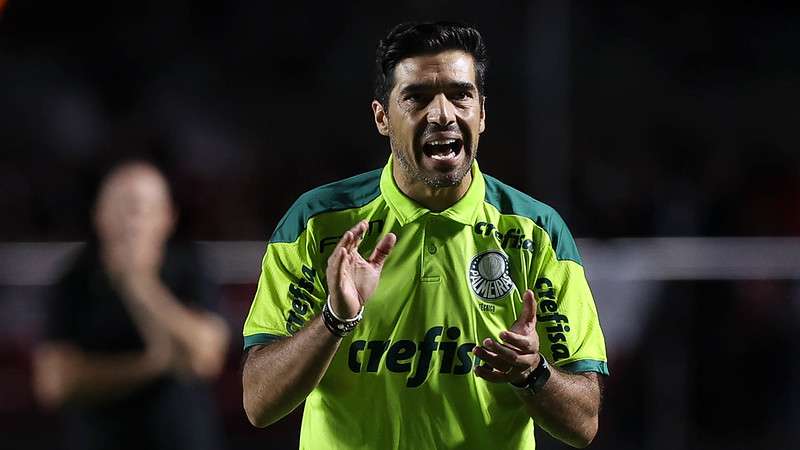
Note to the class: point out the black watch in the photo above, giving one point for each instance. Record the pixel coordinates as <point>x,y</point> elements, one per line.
<point>537,378</point>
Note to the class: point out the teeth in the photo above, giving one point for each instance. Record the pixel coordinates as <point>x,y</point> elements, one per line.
<point>442,142</point>
<point>450,155</point>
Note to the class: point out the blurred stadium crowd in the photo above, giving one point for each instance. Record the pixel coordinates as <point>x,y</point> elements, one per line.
<point>675,121</point>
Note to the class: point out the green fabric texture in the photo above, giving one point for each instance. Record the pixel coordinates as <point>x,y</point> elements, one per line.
<point>404,378</point>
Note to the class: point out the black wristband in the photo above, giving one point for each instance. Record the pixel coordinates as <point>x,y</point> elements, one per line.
<point>339,328</point>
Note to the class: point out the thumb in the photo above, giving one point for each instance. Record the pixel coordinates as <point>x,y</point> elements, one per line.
<point>526,322</point>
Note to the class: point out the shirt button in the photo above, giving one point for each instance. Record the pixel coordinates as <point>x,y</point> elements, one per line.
<point>431,249</point>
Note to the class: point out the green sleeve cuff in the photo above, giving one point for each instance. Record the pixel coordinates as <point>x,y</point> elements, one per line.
<point>260,338</point>
<point>586,365</point>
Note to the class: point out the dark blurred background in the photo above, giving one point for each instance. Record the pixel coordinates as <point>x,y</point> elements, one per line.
<point>633,121</point>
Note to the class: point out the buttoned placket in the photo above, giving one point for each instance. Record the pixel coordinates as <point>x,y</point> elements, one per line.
<point>430,269</point>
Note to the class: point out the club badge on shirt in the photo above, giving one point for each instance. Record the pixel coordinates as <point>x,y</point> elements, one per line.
<point>489,275</point>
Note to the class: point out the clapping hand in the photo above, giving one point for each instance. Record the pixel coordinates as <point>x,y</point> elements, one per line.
<point>351,278</point>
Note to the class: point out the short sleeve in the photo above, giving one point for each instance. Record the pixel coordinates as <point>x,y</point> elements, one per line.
<point>289,293</point>
<point>567,321</point>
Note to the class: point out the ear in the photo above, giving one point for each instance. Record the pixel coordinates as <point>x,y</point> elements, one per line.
<point>483,115</point>
<point>381,118</point>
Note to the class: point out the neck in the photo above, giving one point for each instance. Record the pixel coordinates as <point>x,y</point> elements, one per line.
<point>435,199</point>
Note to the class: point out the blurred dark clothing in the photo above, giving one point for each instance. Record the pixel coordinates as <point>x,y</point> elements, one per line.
<point>715,370</point>
<point>165,413</point>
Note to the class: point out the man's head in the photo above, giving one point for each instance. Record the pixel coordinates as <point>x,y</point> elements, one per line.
<point>429,99</point>
<point>134,202</point>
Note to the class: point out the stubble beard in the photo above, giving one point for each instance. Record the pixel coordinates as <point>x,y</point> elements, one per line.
<point>416,173</point>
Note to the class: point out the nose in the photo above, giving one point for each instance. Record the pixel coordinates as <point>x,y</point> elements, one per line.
<point>441,111</point>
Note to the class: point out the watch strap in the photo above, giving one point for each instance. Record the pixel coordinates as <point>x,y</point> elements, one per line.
<point>536,379</point>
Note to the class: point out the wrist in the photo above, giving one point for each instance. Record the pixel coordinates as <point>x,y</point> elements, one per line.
<point>535,378</point>
<point>337,325</point>
<point>522,380</point>
<point>341,310</point>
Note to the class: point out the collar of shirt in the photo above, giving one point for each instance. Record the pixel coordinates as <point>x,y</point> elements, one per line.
<point>408,210</point>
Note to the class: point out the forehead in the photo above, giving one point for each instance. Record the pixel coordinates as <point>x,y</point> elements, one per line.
<point>137,182</point>
<point>437,68</point>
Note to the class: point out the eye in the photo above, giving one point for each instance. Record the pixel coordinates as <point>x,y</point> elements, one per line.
<point>460,95</point>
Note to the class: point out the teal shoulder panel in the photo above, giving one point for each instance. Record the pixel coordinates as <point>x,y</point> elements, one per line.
<point>508,200</point>
<point>353,192</point>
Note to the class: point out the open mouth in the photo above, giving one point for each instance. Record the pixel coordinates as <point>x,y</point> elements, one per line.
<point>443,149</point>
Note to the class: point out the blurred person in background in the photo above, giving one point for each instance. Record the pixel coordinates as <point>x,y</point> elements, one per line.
<point>132,338</point>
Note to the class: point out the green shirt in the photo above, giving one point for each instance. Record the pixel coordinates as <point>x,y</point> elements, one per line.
<point>403,379</point>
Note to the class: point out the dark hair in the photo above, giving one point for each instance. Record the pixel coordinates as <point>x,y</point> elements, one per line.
<point>412,39</point>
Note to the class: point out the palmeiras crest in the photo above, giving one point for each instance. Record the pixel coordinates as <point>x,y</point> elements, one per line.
<point>489,275</point>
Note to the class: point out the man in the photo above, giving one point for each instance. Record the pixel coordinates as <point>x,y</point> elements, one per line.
<point>385,346</point>
<point>132,336</point>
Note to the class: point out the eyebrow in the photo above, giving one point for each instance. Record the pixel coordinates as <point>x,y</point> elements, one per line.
<point>426,87</point>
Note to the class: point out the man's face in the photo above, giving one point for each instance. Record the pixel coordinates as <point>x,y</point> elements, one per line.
<point>434,117</point>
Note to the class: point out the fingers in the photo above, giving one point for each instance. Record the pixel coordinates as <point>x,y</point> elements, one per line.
<point>490,374</point>
<point>526,322</point>
<point>343,243</point>
<point>349,241</point>
<point>489,357</point>
<point>503,363</point>
<point>520,341</point>
<point>382,249</point>
<point>335,266</point>
<point>357,232</point>
<point>504,352</point>
<point>343,269</point>
<point>501,356</point>
<point>352,237</point>
<point>494,369</point>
